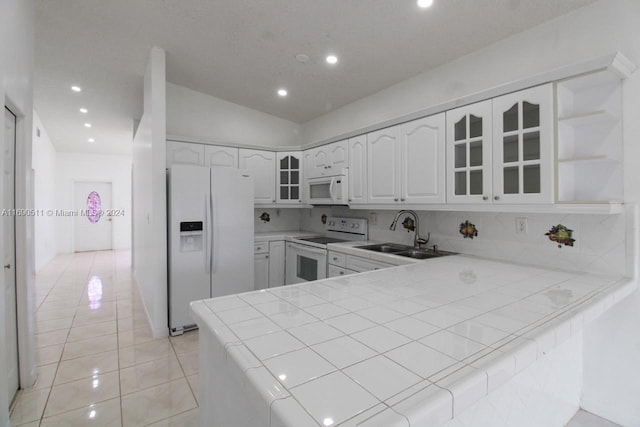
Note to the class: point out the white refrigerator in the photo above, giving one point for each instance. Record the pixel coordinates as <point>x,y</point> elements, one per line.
<point>210,237</point>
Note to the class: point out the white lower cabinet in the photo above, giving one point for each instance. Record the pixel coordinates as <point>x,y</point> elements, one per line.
<point>340,264</point>
<point>276,263</point>
<point>260,266</point>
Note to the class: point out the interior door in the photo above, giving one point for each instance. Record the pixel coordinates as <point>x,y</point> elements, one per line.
<point>93,222</point>
<point>11,323</point>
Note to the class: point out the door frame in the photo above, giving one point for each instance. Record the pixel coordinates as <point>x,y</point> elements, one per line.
<point>73,201</point>
<point>25,255</point>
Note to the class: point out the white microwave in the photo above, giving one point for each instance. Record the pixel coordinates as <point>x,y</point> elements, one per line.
<point>328,190</point>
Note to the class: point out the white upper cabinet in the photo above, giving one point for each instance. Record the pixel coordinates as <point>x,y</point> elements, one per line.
<point>523,135</point>
<point>358,170</point>
<point>262,164</point>
<point>383,163</point>
<point>469,162</point>
<point>220,156</point>
<point>406,163</point>
<point>288,177</point>
<point>326,160</point>
<point>185,153</point>
<point>422,160</point>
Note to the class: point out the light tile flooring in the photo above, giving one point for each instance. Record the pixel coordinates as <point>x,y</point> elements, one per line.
<point>98,363</point>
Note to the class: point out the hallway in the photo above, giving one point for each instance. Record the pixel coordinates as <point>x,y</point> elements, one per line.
<point>97,361</point>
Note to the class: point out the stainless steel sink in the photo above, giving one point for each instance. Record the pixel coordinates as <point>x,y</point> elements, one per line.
<point>390,248</point>
<point>404,250</point>
<point>419,254</point>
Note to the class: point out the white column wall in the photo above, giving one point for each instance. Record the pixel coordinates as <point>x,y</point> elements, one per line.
<point>149,196</point>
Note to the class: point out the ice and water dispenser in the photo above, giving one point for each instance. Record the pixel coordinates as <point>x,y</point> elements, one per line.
<point>191,236</point>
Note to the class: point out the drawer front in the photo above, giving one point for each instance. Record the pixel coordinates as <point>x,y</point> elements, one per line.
<point>338,259</point>
<point>362,264</point>
<point>261,248</point>
<point>335,271</point>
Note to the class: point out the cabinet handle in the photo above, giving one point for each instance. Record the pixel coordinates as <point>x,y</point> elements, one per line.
<point>266,256</point>
<point>351,200</point>
<point>402,199</point>
<point>335,258</point>
<point>496,198</point>
<point>395,200</point>
<point>485,197</point>
<point>274,200</point>
<point>342,273</point>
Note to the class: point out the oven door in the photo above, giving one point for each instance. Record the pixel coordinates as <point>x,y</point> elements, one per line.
<point>305,263</point>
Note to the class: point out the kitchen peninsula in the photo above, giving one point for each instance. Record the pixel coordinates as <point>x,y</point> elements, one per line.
<point>412,345</point>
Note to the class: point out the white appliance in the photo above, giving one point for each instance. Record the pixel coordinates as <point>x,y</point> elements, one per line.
<point>306,257</point>
<point>328,190</point>
<point>210,236</point>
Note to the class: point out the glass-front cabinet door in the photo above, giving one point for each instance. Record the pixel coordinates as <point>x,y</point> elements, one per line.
<point>469,154</point>
<point>523,146</point>
<point>288,176</point>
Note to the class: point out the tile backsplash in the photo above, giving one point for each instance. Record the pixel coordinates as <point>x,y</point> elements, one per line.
<point>280,220</point>
<point>600,240</point>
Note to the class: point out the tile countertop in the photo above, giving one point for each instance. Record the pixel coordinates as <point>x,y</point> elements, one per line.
<point>412,345</point>
<point>282,235</point>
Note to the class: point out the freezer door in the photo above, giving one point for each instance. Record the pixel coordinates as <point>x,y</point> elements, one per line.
<point>189,200</point>
<point>232,231</point>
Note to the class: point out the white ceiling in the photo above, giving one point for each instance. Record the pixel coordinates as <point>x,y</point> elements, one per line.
<point>243,51</point>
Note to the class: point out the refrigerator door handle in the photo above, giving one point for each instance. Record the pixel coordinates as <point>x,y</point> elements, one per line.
<point>214,243</point>
<point>207,239</point>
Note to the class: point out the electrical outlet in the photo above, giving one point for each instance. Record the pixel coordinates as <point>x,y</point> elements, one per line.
<point>521,226</point>
<point>373,218</point>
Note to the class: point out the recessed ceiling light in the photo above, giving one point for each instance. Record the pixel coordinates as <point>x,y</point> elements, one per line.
<point>425,3</point>
<point>84,110</point>
<point>282,92</point>
<point>91,140</point>
<point>87,125</point>
<point>76,88</point>
<point>332,59</point>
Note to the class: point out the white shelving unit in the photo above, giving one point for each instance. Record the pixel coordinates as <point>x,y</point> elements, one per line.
<point>589,144</point>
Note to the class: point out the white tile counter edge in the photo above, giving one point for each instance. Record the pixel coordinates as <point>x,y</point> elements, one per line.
<point>451,392</point>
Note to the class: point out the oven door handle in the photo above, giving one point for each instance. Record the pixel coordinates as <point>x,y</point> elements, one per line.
<point>308,249</point>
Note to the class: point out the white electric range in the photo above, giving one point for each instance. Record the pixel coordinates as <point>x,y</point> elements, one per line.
<point>306,257</point>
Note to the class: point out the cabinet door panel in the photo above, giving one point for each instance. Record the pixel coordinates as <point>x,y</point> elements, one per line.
<point>358,170</point>
<point>184,153</point>
<point>260,271</point>
<point>383,162</point>
<point>288,177</point>
<point>276,264</point>
<point>220,156</point>
<point>422,151</point>
<point>263,166</point>
<point>523,146</point>
<point>469,147</point>
<point>339,152</point>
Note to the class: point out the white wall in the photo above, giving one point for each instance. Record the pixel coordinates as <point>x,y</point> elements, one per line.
<point>280,220</point>
<point>199,116</point>
<point>44,173</point>
<point>16,90</point>
<point>82,167</point>
<point>149,196</point>
<point>583,35</point>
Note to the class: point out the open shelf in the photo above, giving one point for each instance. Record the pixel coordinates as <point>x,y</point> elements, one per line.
<point>590,118</point>
<point>595,159</point>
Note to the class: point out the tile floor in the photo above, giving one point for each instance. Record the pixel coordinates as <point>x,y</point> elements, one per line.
<point>98,363</point>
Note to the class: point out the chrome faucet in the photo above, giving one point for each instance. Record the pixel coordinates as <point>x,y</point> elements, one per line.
<point>417,240</point>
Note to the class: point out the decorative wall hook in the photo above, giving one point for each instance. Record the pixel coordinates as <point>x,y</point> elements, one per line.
<point>323,218</point>
<point>561,234</point>
<point>265,217</point>
<point>468,230</point>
